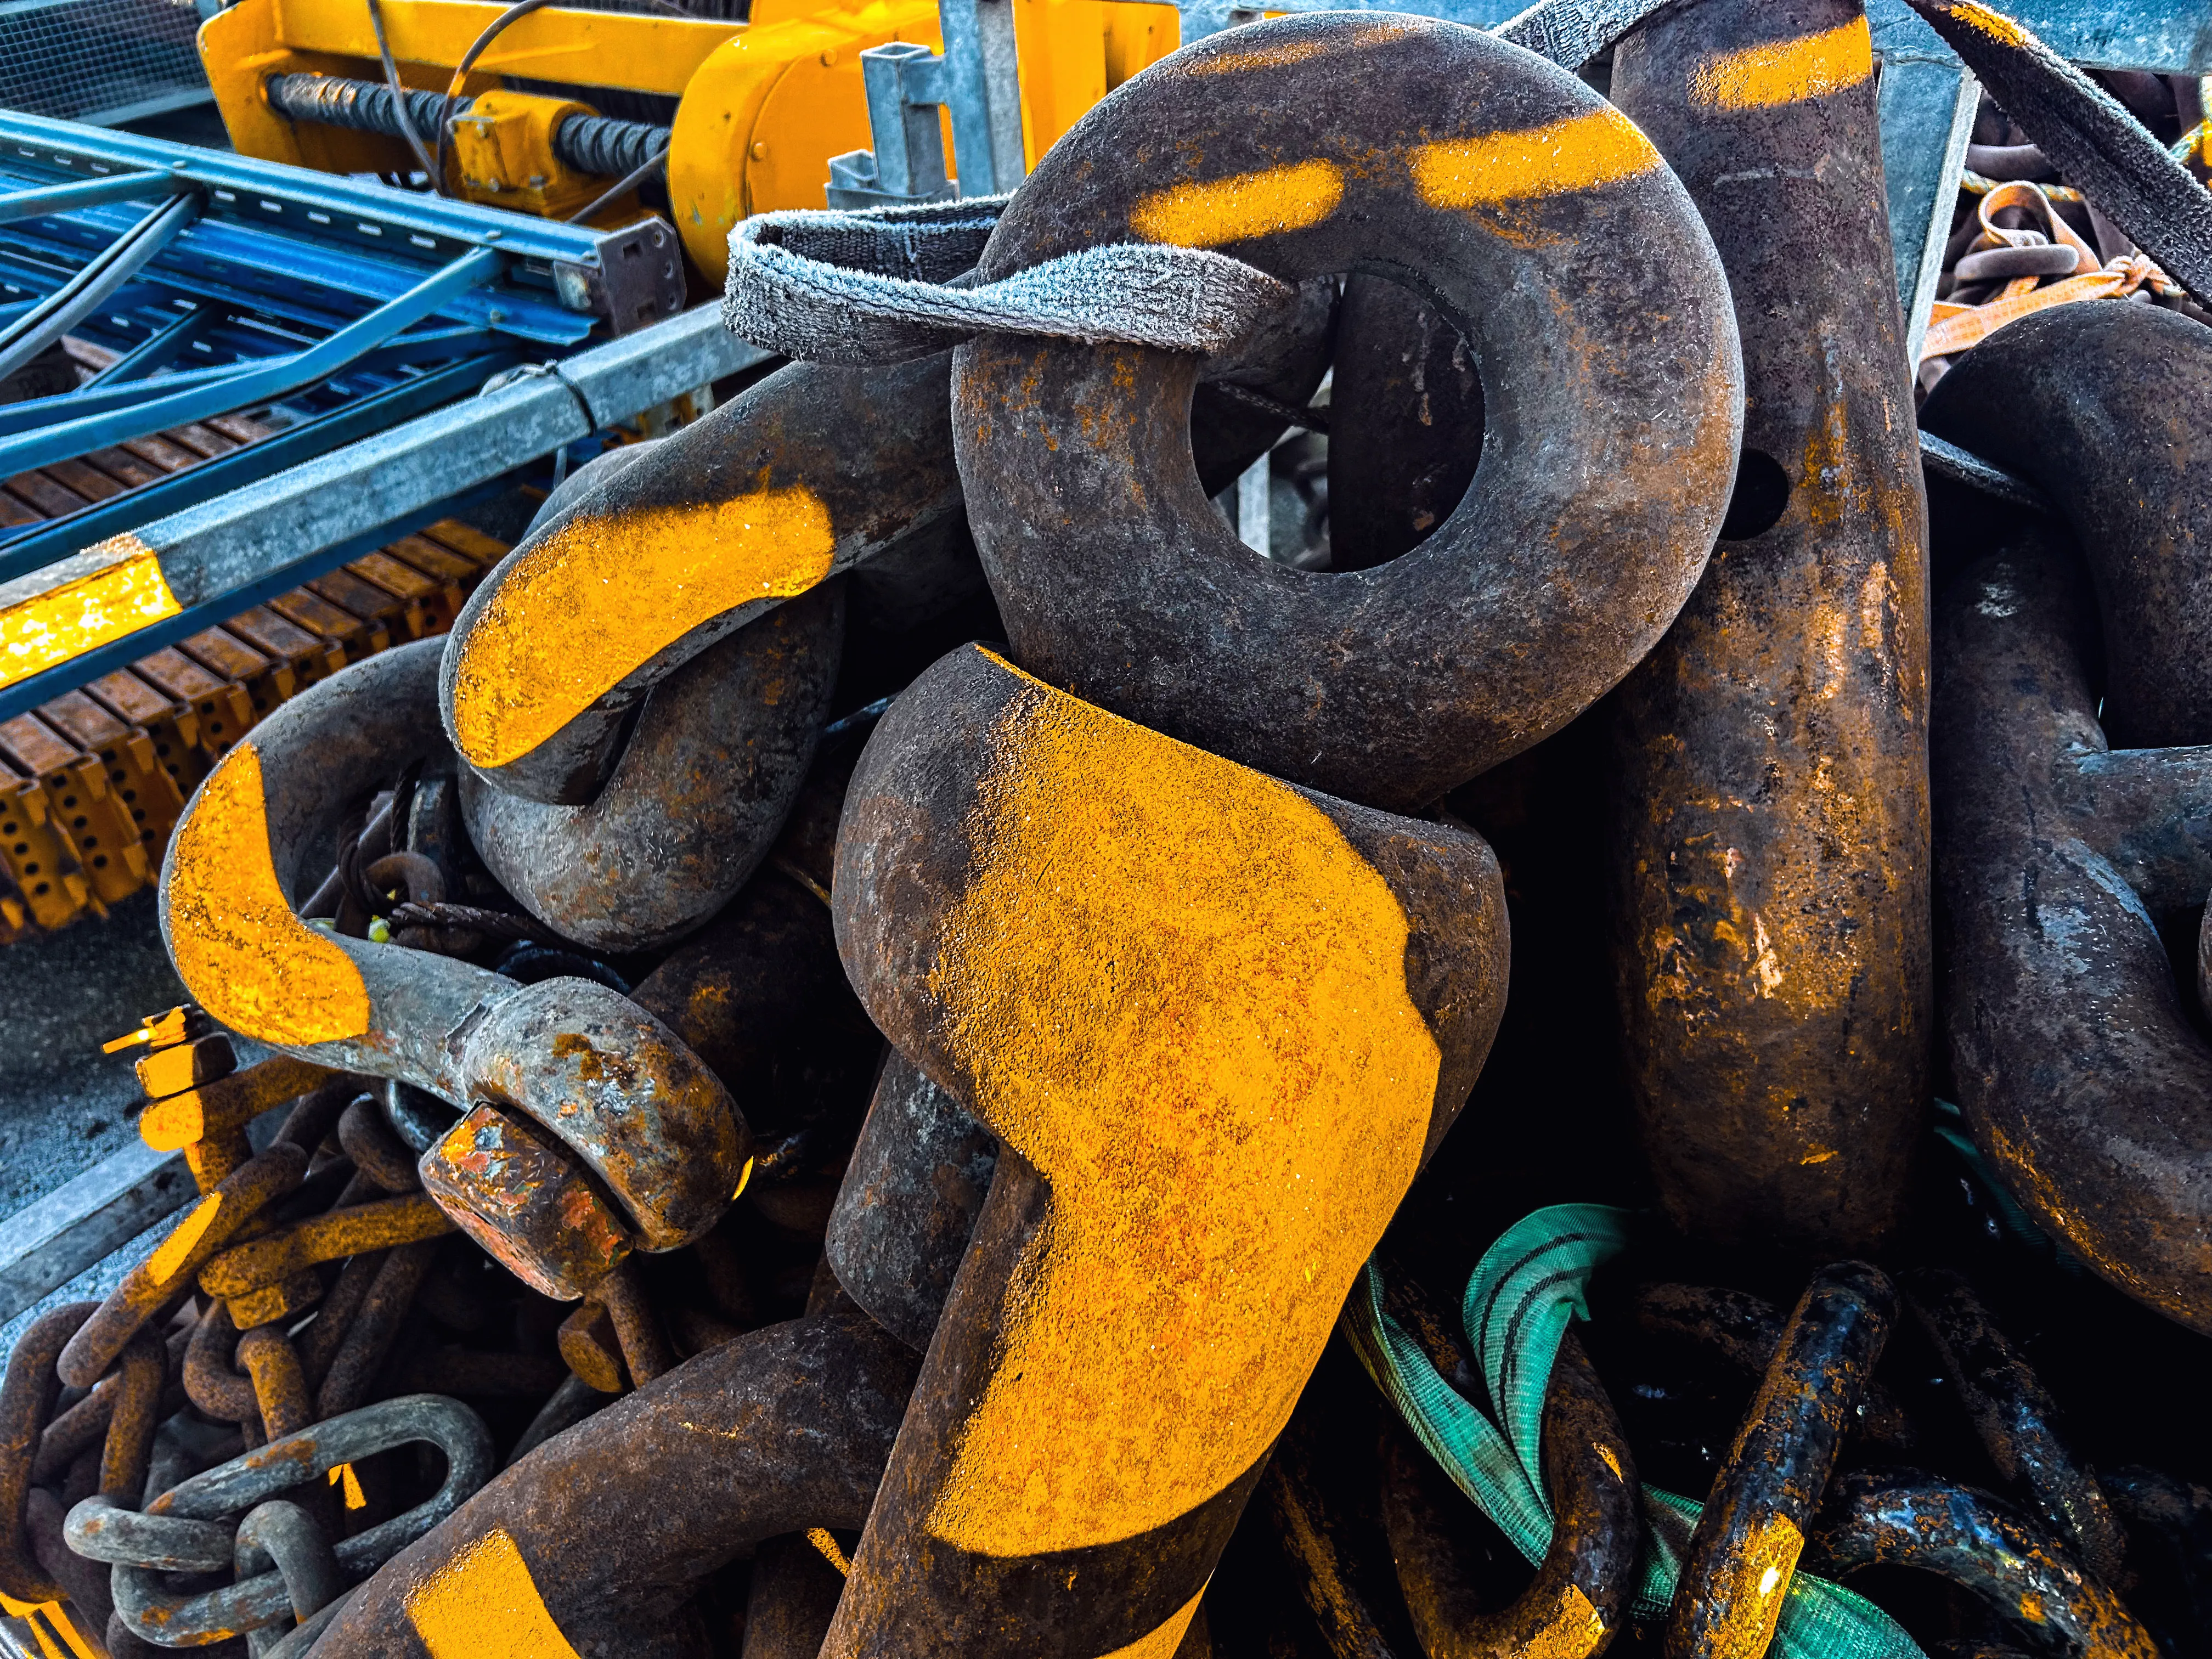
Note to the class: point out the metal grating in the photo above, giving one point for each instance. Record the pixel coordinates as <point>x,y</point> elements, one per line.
<point>100,61</point>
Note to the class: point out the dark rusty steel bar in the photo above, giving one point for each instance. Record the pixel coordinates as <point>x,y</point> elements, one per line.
<point>368,1339</point>
<point>1579,1599</point>
<point>167,1273</point>
<point>2016,1418</point>
<point>27,1395</point>
<point>623,1095</point>
<point>1119,1349</point>
<point>1549,234</point>
<point>2082,1078</point>
<point>1905,1519</point>
<point>1772,943</point>
<point>128,1449</point>
<point>1740,1559</point>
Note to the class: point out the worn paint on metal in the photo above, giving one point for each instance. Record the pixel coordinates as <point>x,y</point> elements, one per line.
<point>61,625</point>
<point>1999,28</point>
<point>601,596</point>
<point>169,1255</point>
<point>1772,927</point>
<point>1815,65</point>
<point>1757,1582</point>
<point>483,1604</point>
<point>1286,198</point>
<point>1300,1093</point>
<point>1599,147</point>
<point>245,957</point>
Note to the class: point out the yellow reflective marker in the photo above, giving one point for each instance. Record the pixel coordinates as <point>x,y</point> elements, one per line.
<point>343,1476</point>
<point>1573,1631</point>
<point>62,624</point>
<point>1579,153</point>
<point>245,958</point>
<point>1181,994</point>
<point>744,1177</point>
<point>1752,1587</point>
<point>1245,205</point>
<point>1163,1641</point>
<point>578,613</point>
<point>169,1255</point>
<point>483,1604</point>
<point>1787,71</point>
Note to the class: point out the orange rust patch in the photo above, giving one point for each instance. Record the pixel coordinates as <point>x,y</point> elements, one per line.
<point>1246,205</point>
<point>567,1045</point>
<point>1580,153</point>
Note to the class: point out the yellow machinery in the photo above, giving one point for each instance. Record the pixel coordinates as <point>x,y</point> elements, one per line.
<point>764,105</point>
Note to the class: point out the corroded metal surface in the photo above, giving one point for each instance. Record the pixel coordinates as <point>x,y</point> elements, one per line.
<point>2082,1076</point>
<point>1561,247</point>
<point>620,1092</point>
<point>1772,916</point>
<point>784,1429</point>
<point>1739,1564</point>
<point>1181,1226</point>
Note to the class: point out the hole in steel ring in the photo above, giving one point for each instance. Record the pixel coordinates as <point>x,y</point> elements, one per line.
<point>1762,491</point>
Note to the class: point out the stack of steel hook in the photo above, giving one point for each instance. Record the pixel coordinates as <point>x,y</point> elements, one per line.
<point>900,1045</point>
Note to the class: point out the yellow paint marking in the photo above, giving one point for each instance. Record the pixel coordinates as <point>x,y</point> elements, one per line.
<point>169,1255</point>
<point>1573,1631</point>
<point>1606,1452</point>
<point>745,1178</point>
<point>1245,205</point>
<point>1750,1589</point>
<point>1181,994</point>
<point>576,613</point>
<point>1350,37</point>
<point>62,624</point>
<point>483,1604</point>
<point>1579,153</point>
<point>1163,1641</point>
<point>345,1478</point>
<point>245,958</point>
<point>1787,71</point>
<point>820,1538</point>
<point>1995,25</point>
<point>56,1614</point>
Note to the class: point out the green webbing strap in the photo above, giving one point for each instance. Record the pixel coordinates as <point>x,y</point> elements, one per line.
<point>1526,1288</point>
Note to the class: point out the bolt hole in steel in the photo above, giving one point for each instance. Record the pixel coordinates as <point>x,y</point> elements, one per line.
<point>1762,492</point>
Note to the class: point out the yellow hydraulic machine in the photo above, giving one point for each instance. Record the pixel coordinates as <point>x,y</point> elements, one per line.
<point>764,105</point>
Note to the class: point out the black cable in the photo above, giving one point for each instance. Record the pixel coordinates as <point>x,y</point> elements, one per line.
<point>629,182</point>
<point>399,101</point>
